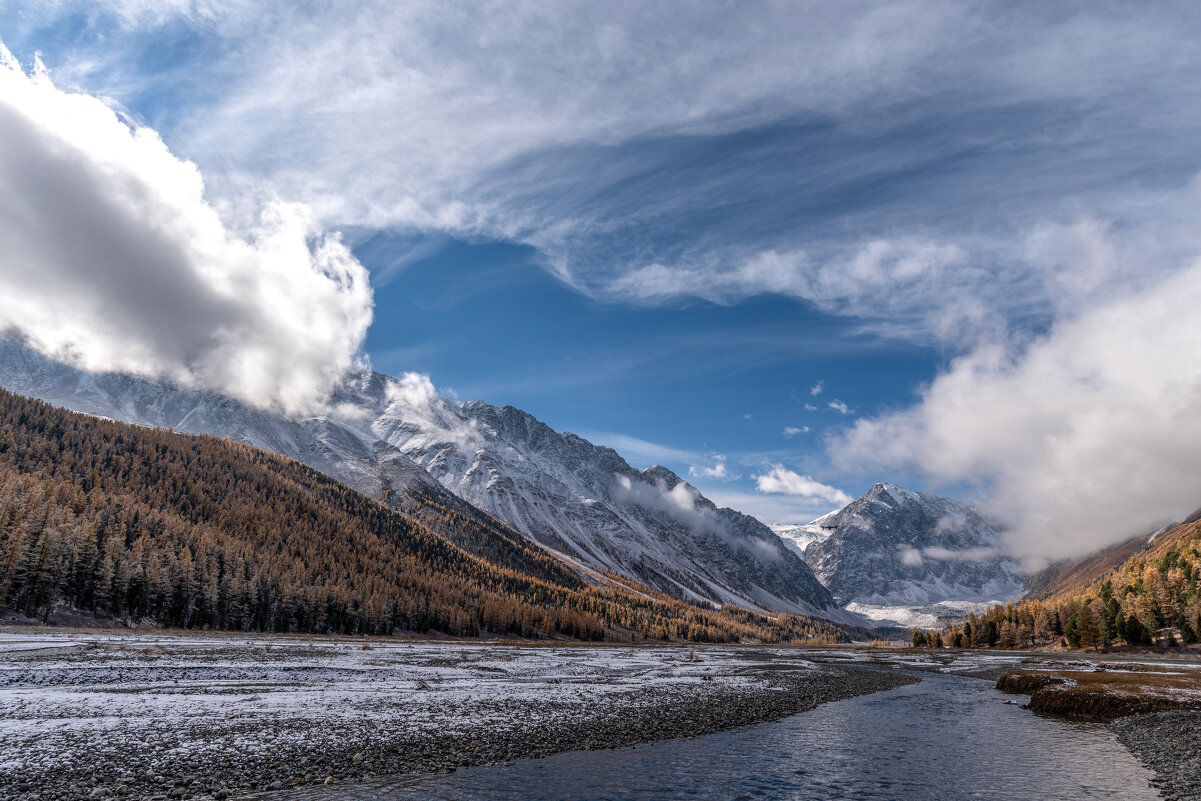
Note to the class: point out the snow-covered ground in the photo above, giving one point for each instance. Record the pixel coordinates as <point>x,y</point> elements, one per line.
<point>946,661</point>
<point>137,698</point>
<point>200,713</point>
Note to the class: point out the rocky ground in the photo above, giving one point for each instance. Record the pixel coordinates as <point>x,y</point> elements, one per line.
<point>145,716</point>
<point>1169,744</point>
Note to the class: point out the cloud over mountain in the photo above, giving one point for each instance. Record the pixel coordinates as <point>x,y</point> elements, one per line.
<point>114,260</point>
<point>1080,437</point>
<point>783,481</point>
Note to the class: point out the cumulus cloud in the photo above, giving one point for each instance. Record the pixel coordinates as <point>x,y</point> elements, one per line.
<point>115,261</point>
<point>775,509</point>
<point>1080,437</point>
<point>809,407</point>
<point>817,388</point>
<point>792,431</point>
<point>784,481</point>
<point>678,501</point>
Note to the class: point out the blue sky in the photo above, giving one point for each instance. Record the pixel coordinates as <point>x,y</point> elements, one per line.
<point>972,225</point>
<point>693,381</point>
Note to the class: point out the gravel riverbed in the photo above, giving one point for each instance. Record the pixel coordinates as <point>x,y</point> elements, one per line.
<point>1169,744</point>
<point>225,717</point>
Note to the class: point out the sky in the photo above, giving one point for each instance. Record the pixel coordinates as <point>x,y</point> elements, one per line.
<point>785,249</point>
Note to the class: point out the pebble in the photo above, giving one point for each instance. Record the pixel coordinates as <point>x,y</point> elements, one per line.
<point>1166,743</point>
<point>627,719</point>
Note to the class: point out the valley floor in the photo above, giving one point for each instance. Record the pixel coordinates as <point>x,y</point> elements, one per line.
<point>160,715</point>
<point>195,716</point>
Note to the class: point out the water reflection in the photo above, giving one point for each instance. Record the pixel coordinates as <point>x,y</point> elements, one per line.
<point>946,738</point>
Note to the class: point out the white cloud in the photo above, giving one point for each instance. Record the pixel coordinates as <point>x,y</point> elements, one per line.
<point>782,509</point>
<point>809,407</point>
<point>438,97</point>
<point>816,389</point>
<point>792,431</point>
<point>718,470</point>
<point>114,261</point>
<point>414,401</point>
<point>914,557</point>
<point>909,555</point>
<point>512,122</point>
<point>680,503</point>
<point>784,481</point>
<point>940,554</point>
<point>840,407</point>
<point>1080,437</point>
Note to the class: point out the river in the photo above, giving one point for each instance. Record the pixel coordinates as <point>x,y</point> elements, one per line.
<point>949,737</point>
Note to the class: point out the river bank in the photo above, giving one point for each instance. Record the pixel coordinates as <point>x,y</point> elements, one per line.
<point>1105,689</point>
<point>148,716</point>
<point>1169,744</point>
<point>1153,707</point>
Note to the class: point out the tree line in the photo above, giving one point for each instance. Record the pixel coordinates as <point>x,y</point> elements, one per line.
<point>1154,598</point>
<point>150,526</point>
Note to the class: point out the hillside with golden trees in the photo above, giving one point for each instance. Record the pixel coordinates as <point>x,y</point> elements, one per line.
<point>149,526</point>
<point>1153,598</point>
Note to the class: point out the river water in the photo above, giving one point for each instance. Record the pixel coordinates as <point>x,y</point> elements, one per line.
<point>949,737</point>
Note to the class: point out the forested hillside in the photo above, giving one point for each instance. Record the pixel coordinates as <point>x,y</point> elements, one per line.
<point>151,526</point>
<point>1154,597</point>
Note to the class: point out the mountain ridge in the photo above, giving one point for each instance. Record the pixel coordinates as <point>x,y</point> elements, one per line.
<point>396,439</point>
<point>123,521</point>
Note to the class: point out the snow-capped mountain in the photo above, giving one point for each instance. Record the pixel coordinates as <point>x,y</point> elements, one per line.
<point>800,537</point>
<point>900,556</point>
<point>390,437</point>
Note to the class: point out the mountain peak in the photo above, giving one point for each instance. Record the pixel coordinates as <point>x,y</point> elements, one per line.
<point>560,490</point>
<point>896,547</point>
<point>897,493</point>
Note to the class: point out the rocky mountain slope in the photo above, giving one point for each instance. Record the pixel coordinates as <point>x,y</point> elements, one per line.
<point>396,439</point>
<point>901,556</point>
<point>118,523</point>
<point>1069,575</point>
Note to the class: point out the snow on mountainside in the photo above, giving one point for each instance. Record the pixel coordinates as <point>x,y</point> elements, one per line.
<point>893,554</point>
<point>798,538</point>
<point>560,490</point>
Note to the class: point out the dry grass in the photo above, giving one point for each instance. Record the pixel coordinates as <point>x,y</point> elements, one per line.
<point>1107,691</point>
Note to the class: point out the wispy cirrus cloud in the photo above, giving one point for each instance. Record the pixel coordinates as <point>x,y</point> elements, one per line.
<point>641,452</point>
<point>889,163</point>
<point>840,406</point>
